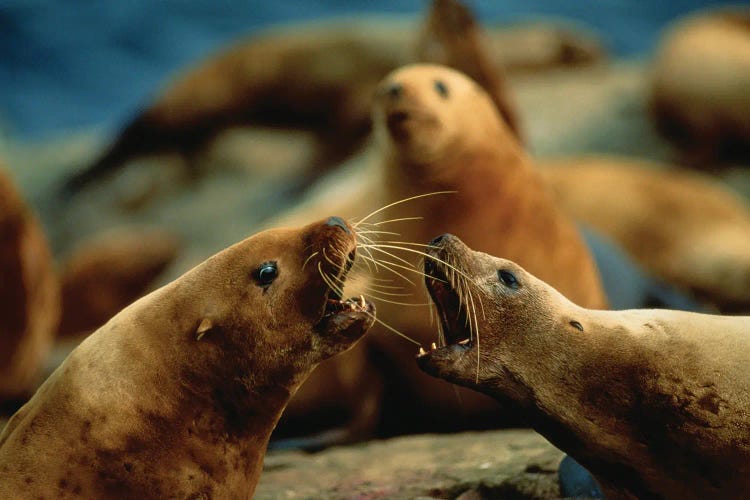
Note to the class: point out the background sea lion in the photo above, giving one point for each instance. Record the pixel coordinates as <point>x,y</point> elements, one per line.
<point>437,130</point>
<point>321,78</point>
<point>653,402</point>
<point>177,395</point>
<point>109,271</point>
<point>699,83</point>
<point>683,227</point>
<point>29,295</point>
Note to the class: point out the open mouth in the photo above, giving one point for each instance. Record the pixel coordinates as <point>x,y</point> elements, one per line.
<point>340,315</point>
<point>452,312</point>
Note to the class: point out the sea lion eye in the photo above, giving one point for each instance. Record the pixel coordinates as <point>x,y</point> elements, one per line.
<point>508,279</point>
<point>441,88</point>
<point>266,273</point>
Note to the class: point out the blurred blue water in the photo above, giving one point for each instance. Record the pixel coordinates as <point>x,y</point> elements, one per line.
<point>76,63</point>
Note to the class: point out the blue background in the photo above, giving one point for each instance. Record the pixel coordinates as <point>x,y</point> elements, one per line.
<point>70,64</point>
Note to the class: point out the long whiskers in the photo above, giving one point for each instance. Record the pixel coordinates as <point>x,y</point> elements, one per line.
<point>398,203</point>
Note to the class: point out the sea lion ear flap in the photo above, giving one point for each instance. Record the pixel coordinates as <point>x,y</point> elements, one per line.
<point>205,326</point>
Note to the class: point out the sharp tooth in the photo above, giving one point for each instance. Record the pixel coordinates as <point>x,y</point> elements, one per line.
<point>362,301</point>
<point>464,342</point>
<point>422,352</point>
<point>433,346</point>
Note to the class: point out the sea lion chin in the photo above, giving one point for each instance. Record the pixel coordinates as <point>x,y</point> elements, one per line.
<point>652,402</point>
<point>177,395</point>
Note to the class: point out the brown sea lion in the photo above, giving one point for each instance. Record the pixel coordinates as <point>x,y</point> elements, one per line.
<point>684,227</point>
<point>699,85</point>
<point>653,402</point>
<point>321,77</point>
<point>109,271</point>
<point>437,130</point>
<point>177,395</point>
<point>29,295</point>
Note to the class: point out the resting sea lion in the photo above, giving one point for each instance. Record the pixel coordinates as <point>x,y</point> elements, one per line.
<point>682,226</point>
<point>177,395</point>
<point>699,85</point>
<point>321,77</point>
<point>653,402</point>
<point>29,295</point>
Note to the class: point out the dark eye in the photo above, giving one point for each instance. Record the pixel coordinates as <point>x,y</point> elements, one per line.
<point>508,279</point>
<point>441,88</point>
<point>266,273</point>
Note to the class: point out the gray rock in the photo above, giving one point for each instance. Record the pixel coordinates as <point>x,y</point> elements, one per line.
<point>516,463</point>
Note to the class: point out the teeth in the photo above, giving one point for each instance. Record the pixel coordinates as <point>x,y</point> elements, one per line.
<point>422,352</point>
<point>433,346</point>
<point>362,301</point>
<point>464,342</point>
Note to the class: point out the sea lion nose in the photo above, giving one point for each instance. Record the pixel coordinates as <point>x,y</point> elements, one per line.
<point>394,90</point>
<point>436,241</point>
<point>338,222</point>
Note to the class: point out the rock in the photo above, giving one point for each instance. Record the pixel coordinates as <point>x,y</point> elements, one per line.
<point>515,463</point>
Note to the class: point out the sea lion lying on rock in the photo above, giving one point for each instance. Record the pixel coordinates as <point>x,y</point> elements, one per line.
<point>653,402</point>
<point>321,77</point>
<point>177,395</point>
<point>682,226</point>
<point>699,85</point>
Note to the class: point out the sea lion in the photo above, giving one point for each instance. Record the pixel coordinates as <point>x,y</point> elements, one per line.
<point>321,77</point>
<point>437,130</point>
<point>177,395</point>
<point>699,85</point>
<point>29,295</point>
<point>109,271</point>
<point>682,226</point>
<point>653,402</point>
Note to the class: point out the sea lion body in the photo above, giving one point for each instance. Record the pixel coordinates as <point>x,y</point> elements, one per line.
<point>699,85</point>
<point>177,395</point>
<point>653,402</point>
<point>29,295</point>
<point>683,227</point>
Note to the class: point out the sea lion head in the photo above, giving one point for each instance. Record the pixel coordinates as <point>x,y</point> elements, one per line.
<point>426,113</point>
<point>521,321</point>
<point>275,306</point>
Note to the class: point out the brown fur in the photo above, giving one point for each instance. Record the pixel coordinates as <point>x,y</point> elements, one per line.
<point>29,294</point>
<point>108,272</point>
<point>177,395</point>
<point>653,402</point>
<point>684,227</point>
<point>700,82</point>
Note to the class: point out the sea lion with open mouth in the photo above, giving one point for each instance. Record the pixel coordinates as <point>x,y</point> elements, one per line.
<point>653,402</point>
<point>177,395</point>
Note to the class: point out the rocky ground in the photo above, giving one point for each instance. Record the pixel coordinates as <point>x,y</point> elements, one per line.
<point>511,464</point>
